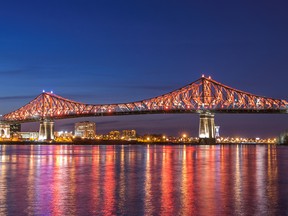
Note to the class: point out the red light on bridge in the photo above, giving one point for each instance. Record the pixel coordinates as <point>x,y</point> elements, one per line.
<point>201,94</point>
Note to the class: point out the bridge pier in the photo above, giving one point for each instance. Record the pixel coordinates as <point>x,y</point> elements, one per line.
<point>207,128</point>
<point>46,130</point>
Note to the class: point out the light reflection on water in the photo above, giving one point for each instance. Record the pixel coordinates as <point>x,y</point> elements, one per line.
<point>143,180</point>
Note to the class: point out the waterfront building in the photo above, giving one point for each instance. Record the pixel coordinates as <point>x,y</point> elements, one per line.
<point>63,134</point>
<point>114,135</point>
<point>283,138</point>
<point>15,128</point>
<point>27,136</point>
<point>129,134</point>
<point>85,129</point>
<point>4,130</point>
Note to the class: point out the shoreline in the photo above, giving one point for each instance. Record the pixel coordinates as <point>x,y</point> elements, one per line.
<point>121,142</point>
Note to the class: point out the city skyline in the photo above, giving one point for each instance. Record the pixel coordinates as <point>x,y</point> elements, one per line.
<point>135,51</point>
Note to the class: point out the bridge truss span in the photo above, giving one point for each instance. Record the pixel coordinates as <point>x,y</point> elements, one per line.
<point>203,95</point>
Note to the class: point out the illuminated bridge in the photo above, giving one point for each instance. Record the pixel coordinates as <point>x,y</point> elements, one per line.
<point>205,96</point>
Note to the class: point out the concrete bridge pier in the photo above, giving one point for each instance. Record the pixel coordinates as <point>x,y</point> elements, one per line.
<point>46,130</point>
<point>207,128</point>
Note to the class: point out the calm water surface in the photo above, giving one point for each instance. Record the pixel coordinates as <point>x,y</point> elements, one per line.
<point>143,180</point>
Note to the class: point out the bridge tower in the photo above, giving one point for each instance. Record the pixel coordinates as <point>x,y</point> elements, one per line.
<point>206,123</point>
<point>217,131</point>
<point>207,128</point>
<point>46,130</point>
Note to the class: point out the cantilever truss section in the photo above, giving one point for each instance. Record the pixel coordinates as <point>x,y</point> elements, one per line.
<point>204,94</point>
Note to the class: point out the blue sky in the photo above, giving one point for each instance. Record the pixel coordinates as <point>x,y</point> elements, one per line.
<point>121,51</point>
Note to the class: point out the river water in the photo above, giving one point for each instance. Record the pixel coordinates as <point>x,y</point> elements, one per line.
<point>143,180</point>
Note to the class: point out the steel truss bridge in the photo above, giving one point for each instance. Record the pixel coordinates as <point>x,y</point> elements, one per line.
<point>204,96</point>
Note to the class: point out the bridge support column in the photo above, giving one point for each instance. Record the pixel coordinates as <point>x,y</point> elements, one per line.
<point>46,130</point>
<point>207,128</point>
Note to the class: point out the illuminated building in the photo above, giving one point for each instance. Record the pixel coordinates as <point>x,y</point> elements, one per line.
<point>15,128</point>
<point>4,130</point>
<point>85,129</point>
<point>64,134</point>
<point>28,135</point>
<point>115,135</point>
<point>129,134</point>
<point>283,138</point>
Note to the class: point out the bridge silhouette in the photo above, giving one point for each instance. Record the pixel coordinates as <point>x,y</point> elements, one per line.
<point>204,96</point>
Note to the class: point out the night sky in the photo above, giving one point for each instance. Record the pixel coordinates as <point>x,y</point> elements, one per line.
<point>121,51</point>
